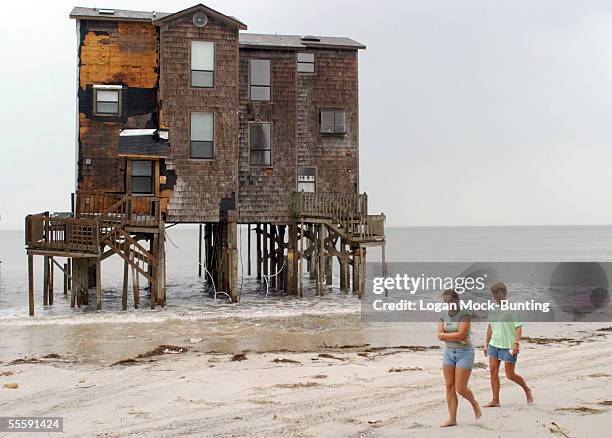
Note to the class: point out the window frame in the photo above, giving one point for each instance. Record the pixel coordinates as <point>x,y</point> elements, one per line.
<point>313,63</point>
<point>251,164</point>
<point>335,110</point>
<point>214,133</point>
<point>214,63</point>
<point>269,86</point>
<point>151,191</point>
<point>115,88</point>
<point>316,175</point>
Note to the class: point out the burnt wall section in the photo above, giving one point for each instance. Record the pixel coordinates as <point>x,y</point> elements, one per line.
<point>265,190</point>
<point>200,184</point>
<point>114,53</point>
<point>334,85</point>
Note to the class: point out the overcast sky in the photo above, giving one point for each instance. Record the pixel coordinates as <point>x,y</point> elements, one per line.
<point>473,112</point>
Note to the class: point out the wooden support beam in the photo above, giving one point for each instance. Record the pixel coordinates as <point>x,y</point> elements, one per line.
<point>124,296</point>
<point>161,267</point>
<point>51,279</point>
<point>45,280</point>
<point>152,272</point>
<point>248,249</point>
<point>265,255</point>
<point>385,271</point>
<point>200,251</point>
<point>136,288</point>
<point>232,256</point>
<point>31,283</point>
<point>259,254</point>
<point>320,260</point>
<point>65,279</point>
<point>301,261</point>
<point>328,261</point>
<point>273,264</point>
<point>292,260</point>
<point>98,284</point>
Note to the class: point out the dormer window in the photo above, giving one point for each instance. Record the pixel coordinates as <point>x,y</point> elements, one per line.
<point>107,100</point>
<point>259,73</point>
<point>202,64</point>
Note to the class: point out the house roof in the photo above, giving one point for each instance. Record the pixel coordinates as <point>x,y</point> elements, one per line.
<point>118,15</point>
<point>297,41</point>
<point>209,11</point>
<point>247,40</point>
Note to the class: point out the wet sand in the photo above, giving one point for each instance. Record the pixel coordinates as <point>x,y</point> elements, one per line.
<point>364,390</point>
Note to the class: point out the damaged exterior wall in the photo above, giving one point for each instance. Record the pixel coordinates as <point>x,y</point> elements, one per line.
<point>114,53</point>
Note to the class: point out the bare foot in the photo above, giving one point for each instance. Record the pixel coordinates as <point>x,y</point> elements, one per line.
<point>449,423</point>
<point>477,412</point>
<point>492,404</point>
<point>529,397</point>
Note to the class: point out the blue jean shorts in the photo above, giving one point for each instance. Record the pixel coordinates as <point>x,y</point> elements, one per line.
<point>459,357</point>
<point>501,354</point>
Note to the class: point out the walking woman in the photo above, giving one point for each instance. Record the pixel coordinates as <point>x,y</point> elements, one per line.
<point>454,329</point>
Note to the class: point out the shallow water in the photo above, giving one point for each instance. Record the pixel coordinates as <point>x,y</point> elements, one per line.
<point>261,321</point>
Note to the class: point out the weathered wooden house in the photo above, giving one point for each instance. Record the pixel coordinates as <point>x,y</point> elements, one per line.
<point>184,118</point>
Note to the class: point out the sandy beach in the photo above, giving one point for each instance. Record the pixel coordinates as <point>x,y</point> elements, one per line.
<point>330,391</point>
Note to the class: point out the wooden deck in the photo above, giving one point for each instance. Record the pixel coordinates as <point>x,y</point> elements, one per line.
<point>346,214</point>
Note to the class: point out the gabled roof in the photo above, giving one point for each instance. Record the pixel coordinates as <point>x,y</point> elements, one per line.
<point>256,40</point>
<point>118,15</point>
<point>208,11</point>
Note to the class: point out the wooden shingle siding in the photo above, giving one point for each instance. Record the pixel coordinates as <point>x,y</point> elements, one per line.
<point>200,184</point>
<point>333,85</point>
<point>265,191</point>
<point>117,53</point>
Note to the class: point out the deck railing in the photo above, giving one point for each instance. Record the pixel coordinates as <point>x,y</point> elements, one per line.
<point>341,206</point>
<point>143,211</point>
<point>45,232</point>
<point>367,227</point>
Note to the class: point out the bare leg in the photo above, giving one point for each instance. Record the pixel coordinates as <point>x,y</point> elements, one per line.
<point>494,370</point>
<point>510,374</point>
<point>462,376</point>
<point>451,396</point>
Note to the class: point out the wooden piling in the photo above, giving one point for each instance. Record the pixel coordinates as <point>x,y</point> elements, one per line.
<point>301,261</point>
<point>31,283</point>
<point>292,260</point>
<point>265,255</point>
<point>152,272</point>
<point>98,284</point>
<point>320,257</point>
<point>249,250</point>
<point>258,249</point>
<point>66,279</point>
<point>200,251</point>
<point>161,268</point>
<point>136,288</point>
<point>232,255</point>
<point>328,264</point>
<point>124,297</point>
<point>273,264</point>
<point>51,280</point>
<point>46,281</point>
<point>384,265</point>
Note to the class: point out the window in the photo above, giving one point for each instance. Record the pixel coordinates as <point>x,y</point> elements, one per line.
<point>307,179</point>
<point>142,177</point>
<point>306,62</point>
<point>202,135</point>
<point>202,64</point>
<point>259,73</point>
<point>333,121</point>
<point>107,100</point>
<point>261,144</point>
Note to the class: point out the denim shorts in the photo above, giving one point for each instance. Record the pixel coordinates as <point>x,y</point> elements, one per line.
<point>459,357</point>
<point>501,354</point>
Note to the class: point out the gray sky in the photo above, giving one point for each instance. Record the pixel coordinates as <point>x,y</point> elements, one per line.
<point>473,112</point>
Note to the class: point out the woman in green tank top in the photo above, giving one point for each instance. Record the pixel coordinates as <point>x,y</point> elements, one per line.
<point>458,361</point>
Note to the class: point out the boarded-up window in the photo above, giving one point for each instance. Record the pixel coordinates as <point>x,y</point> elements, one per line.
<point>142,177</point>
<point>261,144</point>
<point>333,121</point>
<point>202,64</point>
<point>307,179</point>
<point>202,135</point>
<point>306,62</point>
<point>259,74</point>
<point>107,101</point>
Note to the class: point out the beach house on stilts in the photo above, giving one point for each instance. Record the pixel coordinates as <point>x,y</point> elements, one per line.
<point>184,118</point>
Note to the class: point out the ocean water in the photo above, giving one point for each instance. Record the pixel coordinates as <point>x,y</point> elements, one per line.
<point>263,320</point>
